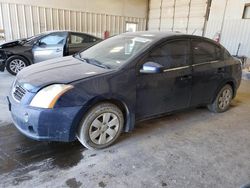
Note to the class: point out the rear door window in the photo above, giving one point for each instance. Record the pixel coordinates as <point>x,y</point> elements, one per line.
<point>172,55</point>
<point>205,52</point>
<point>76,38</point>
<point>92,39</point>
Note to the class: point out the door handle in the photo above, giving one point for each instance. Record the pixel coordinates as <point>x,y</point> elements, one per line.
<point>221,70</point>
<point>58,50</point>
<point>187,77</point>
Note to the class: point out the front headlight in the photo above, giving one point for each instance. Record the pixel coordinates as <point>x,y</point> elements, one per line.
<point>47,97</point>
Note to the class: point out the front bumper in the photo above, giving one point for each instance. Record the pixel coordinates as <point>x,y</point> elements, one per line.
<point>2,65</point>
<point>58,124</point>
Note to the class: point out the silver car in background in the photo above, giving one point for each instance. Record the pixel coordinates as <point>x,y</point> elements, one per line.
<point>18,54</point>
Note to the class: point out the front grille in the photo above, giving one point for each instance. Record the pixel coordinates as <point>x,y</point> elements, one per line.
<point>18,92</point>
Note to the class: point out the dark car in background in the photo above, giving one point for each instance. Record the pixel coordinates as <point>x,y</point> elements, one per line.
<point>121,80</point>
<point>18,54</point>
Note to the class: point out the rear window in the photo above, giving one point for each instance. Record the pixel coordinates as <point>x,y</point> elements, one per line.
<point>76,38</point>
<point>205,52</point>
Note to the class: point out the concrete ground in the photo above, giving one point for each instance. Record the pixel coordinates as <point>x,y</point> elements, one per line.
<point>194,148</point>
<point>6,80</point>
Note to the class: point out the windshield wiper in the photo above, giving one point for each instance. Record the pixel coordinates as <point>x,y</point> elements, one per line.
<point>93,62</point>
<point>97,63</point>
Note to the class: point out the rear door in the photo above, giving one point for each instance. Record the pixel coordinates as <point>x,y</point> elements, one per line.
<point>78,42</point>
<point>49,46</point>
<point>208,70</point>
<point>170,90</point>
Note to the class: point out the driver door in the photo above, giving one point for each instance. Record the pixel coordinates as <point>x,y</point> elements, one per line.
<point>50,46</point>
<point>170,89</point>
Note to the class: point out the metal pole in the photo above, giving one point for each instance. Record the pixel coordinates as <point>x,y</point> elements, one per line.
<point>223,20</point>
<point>9,19</point>
<point>189,7</point>
<point>160,16</point>
<point>32,21</point>
<point>147,15</point>
<point>173,15</point>
<point>17,22</point>
<point>38,19</point>
<point>209,2</point>
<point>24,20</point>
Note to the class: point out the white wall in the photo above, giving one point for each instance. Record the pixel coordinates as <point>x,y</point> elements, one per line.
<point>234,9</point>
<point>189,15</point>
<point>24,18</point>
<point>234,30</point>
<point>186,16</point>
<point>131,8</point>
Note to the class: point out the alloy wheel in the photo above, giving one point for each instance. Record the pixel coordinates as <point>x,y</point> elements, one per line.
<point>225,99</point>
<point>16,65</point>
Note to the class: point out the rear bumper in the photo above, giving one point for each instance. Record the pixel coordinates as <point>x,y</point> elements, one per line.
<point>45,124</point>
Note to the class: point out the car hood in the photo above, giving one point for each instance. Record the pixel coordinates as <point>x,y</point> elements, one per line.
<point>60,70</point>
<point>12,43</point>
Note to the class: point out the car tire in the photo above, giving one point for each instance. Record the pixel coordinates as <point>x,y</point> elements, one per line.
<point>222,100</point>
<point>101,126</point>
<point>16,63</point>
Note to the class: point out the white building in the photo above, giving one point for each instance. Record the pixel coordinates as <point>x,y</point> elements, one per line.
<point>22,18</point>
<point>229,18</point>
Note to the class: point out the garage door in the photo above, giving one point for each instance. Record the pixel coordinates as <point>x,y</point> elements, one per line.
<point>187,16</point>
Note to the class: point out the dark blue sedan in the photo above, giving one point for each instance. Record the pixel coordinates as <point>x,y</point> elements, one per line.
<point>96,94</point>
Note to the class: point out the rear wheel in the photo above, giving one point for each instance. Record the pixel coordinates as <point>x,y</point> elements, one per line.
<point>222,100</point>
<point>16,63</point>
<point>101,126</point>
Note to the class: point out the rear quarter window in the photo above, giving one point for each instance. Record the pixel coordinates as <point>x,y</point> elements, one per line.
<point>226,54</point>
<point>93,39</point>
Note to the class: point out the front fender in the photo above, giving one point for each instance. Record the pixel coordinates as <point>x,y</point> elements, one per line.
<point>2,66</point>
<point>129,114</point>
<point>3,58</point>
<point>123,104</point>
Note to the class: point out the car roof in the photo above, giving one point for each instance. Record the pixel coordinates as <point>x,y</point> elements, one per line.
<point>158,35</point>
<point>153,34</point>
<point>61,31</point>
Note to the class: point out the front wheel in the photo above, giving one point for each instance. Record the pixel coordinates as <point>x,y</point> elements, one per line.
<point>16,63</point>
<point>222,100</point>
<point>101,126</point>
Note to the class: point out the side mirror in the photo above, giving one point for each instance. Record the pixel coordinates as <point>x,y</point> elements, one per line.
<point>151,68</point>
<point>39,43</point>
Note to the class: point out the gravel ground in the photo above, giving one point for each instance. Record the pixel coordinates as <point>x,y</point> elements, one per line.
<point>194,148</point>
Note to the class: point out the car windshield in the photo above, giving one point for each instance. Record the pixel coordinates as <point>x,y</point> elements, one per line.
<point>33,37</point>
<point>30,40</point>
<point>116,51</point>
